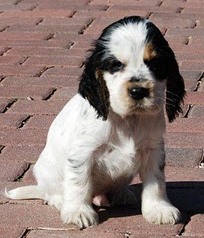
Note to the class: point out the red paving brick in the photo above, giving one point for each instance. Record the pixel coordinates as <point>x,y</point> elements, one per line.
<point>32,107</point>
<point>52,81</point>
<point>73,234</point>
<point>197,111</point>
<point>5,103</point>
<point>195,226</point>
<point>11,170</point>
<point>39,122</point>
<point>34,92</point>
<point>30,216</point>
<point>183,157</point>
<point>43,44</point>
<point>12,120</point>
<point>27,153</point>
<point>186,125</point>
<point>14,232</point>
<point>23,137</point>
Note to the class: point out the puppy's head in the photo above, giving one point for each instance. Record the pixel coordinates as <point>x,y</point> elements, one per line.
<point>129,70</point>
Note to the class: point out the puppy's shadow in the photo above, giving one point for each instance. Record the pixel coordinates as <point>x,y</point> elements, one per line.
<point>124,210</point>
<point>188,197</point>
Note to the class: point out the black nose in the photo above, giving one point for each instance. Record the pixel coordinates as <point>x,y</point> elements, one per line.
<point>138,93</point>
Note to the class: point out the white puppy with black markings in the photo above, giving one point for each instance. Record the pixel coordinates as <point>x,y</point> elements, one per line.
<point>113,128</point>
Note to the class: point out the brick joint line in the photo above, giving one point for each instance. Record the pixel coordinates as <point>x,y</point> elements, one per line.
<point>20,177</point>
<point>160,3</point>
<point>190,107</point>
<point>199,81</point>
<point>2,77</point>
<point>2,148</point>
<point>105,9</point>
<point>24,60</point>
<point>185,223</point>
<point>149,15</point>
<point>39,74</point>
<point>33,7</point>
<point>188,40</point>
<point>3,52</point>
<point>165,31</point>
<point>70,46</point>
<point>179,10</point>
<point>50,36</point>
<point>201,163</point>
<point>24,121</point>
<point>50,95</point>
<point>25,233</point>
<point>17,2</point>
<point>195,24</point>
<point>4,28</point>
<point>9,105</point>
<point>72,15</point>
<point>82,31</point>
<point>39,21</point>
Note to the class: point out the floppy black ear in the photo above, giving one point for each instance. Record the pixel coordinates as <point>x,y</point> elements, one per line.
<point>175,89</point>
<point>93,86</point>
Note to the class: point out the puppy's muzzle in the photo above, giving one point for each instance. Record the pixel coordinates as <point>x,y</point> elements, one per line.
<point>138,89</point>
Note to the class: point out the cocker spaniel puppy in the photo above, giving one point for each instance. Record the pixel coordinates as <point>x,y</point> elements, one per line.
<point>113,128</point>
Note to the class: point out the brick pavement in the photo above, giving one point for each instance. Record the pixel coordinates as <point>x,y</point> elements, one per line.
<point>42,46</point>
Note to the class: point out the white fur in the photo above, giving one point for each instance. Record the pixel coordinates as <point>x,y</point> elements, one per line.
<point>86,156</point>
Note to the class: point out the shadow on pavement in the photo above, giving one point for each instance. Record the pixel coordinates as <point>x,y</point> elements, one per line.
<point>187,196</point>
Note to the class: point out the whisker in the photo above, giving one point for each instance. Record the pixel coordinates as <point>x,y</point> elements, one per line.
<point>173,94</point>
<point>167,103</point>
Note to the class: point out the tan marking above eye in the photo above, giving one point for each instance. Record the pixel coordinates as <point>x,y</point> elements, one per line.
<point>149,52</point>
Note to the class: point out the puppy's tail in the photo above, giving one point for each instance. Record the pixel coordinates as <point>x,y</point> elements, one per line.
<point>26,192</point>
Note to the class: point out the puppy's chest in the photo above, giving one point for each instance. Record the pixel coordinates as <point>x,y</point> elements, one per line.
<point>117,161</point>
<point>124,146</point>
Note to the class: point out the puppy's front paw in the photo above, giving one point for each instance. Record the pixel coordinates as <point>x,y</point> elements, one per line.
<point>83,216</point>
<point>161,212</point>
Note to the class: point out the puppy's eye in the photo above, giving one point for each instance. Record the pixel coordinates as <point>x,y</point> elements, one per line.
<point>115,66</point>
<point>158,66</point>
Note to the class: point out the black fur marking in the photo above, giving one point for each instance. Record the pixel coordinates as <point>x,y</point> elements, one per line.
<point>165,66</point>
<point>158,67</point>
<point>75,164</point>
<point>112,65</point>
<point>92,85</point>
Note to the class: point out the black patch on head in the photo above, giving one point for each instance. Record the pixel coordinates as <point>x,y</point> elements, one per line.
<point>158,67</point>
<point>112,65</point>
<point>165,66</point>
